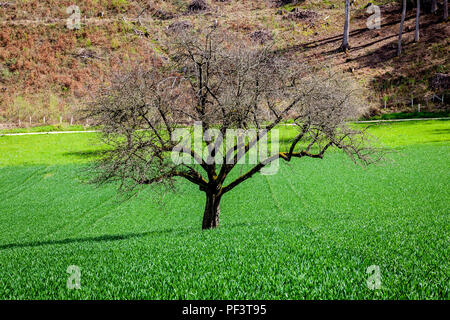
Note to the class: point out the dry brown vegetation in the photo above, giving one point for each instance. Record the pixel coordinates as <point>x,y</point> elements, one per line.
<point>49,70</point>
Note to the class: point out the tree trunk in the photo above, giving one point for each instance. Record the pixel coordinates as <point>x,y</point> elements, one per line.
<point>416,36</point>
<point>345,46</point>
<point>399,48</point>
<point>433,6</point>
<point>445,10</point>
<point>212,211</point>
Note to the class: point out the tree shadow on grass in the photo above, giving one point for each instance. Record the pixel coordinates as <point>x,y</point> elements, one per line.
<point>107,237</point>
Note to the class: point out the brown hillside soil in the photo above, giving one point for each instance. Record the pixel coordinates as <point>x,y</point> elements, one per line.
<point>49,70</point>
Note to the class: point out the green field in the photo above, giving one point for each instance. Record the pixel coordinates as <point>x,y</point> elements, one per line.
<point>308,232</point>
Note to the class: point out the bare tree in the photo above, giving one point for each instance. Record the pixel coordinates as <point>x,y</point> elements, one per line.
<point>416,35</point>
<point>222,86</point>
<point>399,47</point>
<point>345,45</point>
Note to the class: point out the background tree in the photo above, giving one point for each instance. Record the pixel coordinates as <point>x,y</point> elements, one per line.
<point>433,6</point>
<point>416,35</point>
<point>402,22</point>
<point>222,85</point>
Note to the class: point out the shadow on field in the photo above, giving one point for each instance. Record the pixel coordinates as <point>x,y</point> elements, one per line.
<point>93,239</point>
<point>441,131</point>
<point>85,154</point>
<point>117,237</point>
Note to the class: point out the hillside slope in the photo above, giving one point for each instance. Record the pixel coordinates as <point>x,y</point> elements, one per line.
<point>48,70</point>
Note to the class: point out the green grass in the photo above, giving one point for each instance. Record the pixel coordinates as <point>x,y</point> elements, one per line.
<point>411,115</point>
<point>84,147</point>
<point>308,232</point>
